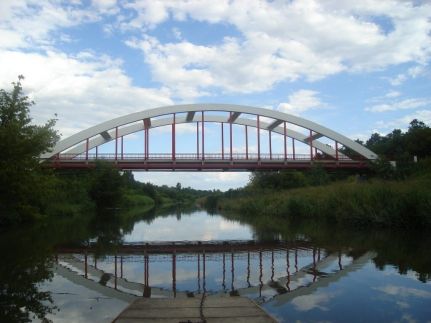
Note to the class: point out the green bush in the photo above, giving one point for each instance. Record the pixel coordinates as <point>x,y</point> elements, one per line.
<point>378,203</point>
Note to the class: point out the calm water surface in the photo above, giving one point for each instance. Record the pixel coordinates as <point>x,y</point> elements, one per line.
<point>91,270</point>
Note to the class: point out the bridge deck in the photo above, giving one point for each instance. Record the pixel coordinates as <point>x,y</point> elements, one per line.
<point>209,164</point>
<point>214,309</point>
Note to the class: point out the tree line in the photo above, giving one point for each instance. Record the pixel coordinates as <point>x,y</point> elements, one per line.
<point>30,192</point>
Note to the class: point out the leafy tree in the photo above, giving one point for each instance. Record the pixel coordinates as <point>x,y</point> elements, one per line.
<point>418,140</point>
<point>401,146</point>
<point>24,186</point>
<point>107,186</point>
<point>277,180</point>
<point>350,152</point>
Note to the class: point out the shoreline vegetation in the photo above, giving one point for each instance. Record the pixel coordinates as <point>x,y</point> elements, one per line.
<point>381,203</point>
<point>394,192</point>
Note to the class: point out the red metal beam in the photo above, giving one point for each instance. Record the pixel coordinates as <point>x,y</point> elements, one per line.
<point>239,166</point>
<point>86,266</point>
<point>122,147</point>
<point>336,150</point>
<point>311,144</point>
<point>115,272</point>
<point>203,136</point>
<point>86,149</point>
<point>246,142</point>
<point>197,139</point>
<point>173,138</point>
<point>285,141</point>
<point>145,140</point>
<point>258,138</point>
<point>116,142</point>
<point>230,133</point>
<point>174,272</point>
<point>222,140</point>
<point>270,145</point>
<point>147,137</point>
<point>176,248</point>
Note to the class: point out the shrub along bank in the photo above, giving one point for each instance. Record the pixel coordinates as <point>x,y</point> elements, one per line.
<point>381,203</point>
<point>385,196</point>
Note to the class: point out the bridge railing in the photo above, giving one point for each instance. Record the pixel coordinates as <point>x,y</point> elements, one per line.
<point>195,156</point>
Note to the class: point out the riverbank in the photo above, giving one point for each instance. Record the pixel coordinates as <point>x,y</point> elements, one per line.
<point>381,203</point>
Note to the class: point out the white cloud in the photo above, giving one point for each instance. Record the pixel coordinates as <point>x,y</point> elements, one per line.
<point>392,94</point>
<point>106,6</point>
<point>412,73</point>
<point>403,122</point>
<point>301,101</point>
<point>404,291</point>
<point>309,302</point>
<point>400,105</point>
<point>24,24</point>
<point>83,90</point>
<point>281,41</point>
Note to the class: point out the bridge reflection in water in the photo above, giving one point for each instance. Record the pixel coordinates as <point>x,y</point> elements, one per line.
<point>259,270</point>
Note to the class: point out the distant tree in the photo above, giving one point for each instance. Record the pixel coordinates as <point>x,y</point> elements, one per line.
<point>23,184</point>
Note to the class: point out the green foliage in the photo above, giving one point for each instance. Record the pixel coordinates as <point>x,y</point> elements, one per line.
<point>24,187</point>
<point>165,194</point>
<point>403,146</point>
<point>134,199</point>
<point>381,203</point>
<point>288,179</point>
<point>317,176</point>
<point>106,188</point>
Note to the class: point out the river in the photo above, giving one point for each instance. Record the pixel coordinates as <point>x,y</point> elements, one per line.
<point>78,270</point>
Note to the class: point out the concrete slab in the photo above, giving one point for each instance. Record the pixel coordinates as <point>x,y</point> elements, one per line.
<point>187,310</point>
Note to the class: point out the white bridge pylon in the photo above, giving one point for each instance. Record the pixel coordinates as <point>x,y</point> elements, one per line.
<point>145,120</point>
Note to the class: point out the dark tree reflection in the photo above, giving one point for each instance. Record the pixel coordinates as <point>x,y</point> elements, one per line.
<point>25,264</point>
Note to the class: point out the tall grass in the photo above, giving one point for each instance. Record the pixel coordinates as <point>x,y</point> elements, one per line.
<point>378,203</point>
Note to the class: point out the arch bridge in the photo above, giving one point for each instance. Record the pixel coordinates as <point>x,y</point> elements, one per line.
<point>81,150</point>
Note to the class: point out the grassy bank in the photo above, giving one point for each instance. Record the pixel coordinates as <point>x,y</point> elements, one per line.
<point>377,203</point>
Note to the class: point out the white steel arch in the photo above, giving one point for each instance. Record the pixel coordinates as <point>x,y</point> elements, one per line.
<point>106,131</point>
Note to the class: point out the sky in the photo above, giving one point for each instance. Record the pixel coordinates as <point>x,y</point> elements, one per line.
<point>356,67</point>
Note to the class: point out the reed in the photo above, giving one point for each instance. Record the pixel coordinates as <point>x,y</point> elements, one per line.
<point>377,203</point>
